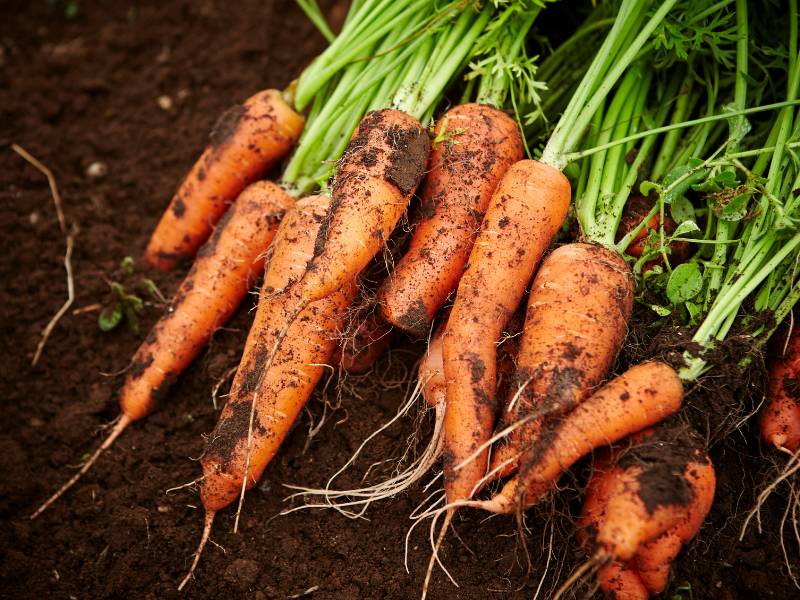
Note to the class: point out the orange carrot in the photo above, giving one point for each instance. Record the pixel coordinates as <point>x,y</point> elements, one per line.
<point>578,311</point>
<point>247,141</point>
<point>636,209</point>
<point>780,418</point>
<point>431,371</point>
<point>640,397</point>
<point>263,405</point>
<point>476,145</point>
<point>643,504</point>
<point>212,291</point>
<point>525,213</point>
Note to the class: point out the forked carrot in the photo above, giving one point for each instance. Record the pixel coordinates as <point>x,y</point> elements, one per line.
<point>475,145</point>
<point>212,291</point>
<point>367,338</point>
<point>247,141</point>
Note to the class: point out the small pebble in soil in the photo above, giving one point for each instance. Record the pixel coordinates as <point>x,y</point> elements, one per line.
<point>164,102</point>
<point>97,170</point>
<point>34,218</point>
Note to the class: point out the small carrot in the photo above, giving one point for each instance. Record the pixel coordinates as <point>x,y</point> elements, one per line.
<point>247,141</point>
<point>475,145</point>
<point>642,504</point>
<point>577,316</point>
<point>780,418</point>
<point>525,213</point>
<point>212,291</point>
<point>640,397</point>
<point>636,210</point>
<point>431,371</point>
<point>263,406</point>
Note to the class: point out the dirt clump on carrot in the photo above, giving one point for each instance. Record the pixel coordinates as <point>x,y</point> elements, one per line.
<point>474,146</point>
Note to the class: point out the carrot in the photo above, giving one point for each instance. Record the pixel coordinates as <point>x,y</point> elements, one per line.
<point>263,406</point>
<point>246,142</point>
<point>636,210</point>
<point>640,397</point>
<point>212,291</point>
<point>476,144</point>
<point>431,371</point>
<point>525,213</point>
<point>642,504</point>
<point>780,418</point>
<point>577,316</point>
<point>361,347</point>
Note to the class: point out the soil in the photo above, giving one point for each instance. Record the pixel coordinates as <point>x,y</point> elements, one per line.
<point>137,86</point>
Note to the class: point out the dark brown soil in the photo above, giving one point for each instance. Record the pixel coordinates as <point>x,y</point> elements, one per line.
<point>78,90</point>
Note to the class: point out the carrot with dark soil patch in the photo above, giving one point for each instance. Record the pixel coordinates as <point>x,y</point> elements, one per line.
<point>224,270</point>
<point>264,404</point>
<point>475,145</point>
<point>367,338</point>
<point>246,142</point>
<point>643,503</point>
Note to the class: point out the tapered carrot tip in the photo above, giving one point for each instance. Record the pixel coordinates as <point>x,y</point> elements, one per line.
<point>246,142</point>
<point>121,425</point>
<point>207,524</point>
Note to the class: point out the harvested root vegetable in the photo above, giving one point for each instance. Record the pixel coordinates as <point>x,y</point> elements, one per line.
<point>525,213</point>
<point>263,405</point>
<point>475,145</point>
<point>639,398</point>
<point>643,503</point>
<point>247,141</point>
<point>780,418</point>
<point>577,316</point>
<point>636,210</point>
<point>225,269</point>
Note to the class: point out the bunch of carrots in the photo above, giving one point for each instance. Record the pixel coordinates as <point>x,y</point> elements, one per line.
<point>650,188</point>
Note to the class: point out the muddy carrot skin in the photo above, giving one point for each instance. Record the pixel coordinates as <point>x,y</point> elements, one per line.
<point>780,418</point>
<point>577,316</point>
<point>637,399</point>
<point>525,213</point>
<point>224,270</point>
<point>247,141</point>
<point>475,145</point>
<point>281,393</point>
<point>377,176</point>
<point>642,504</point>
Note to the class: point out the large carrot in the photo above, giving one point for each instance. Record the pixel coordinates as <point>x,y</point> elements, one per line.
<point>640,397</point>
<point>524,214</point>
<point>780,418</point>
<point>475,145</point>
<point>246,142</point>
<point>212,291</point>
<point>262,406</point>
<point>578,311</point>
